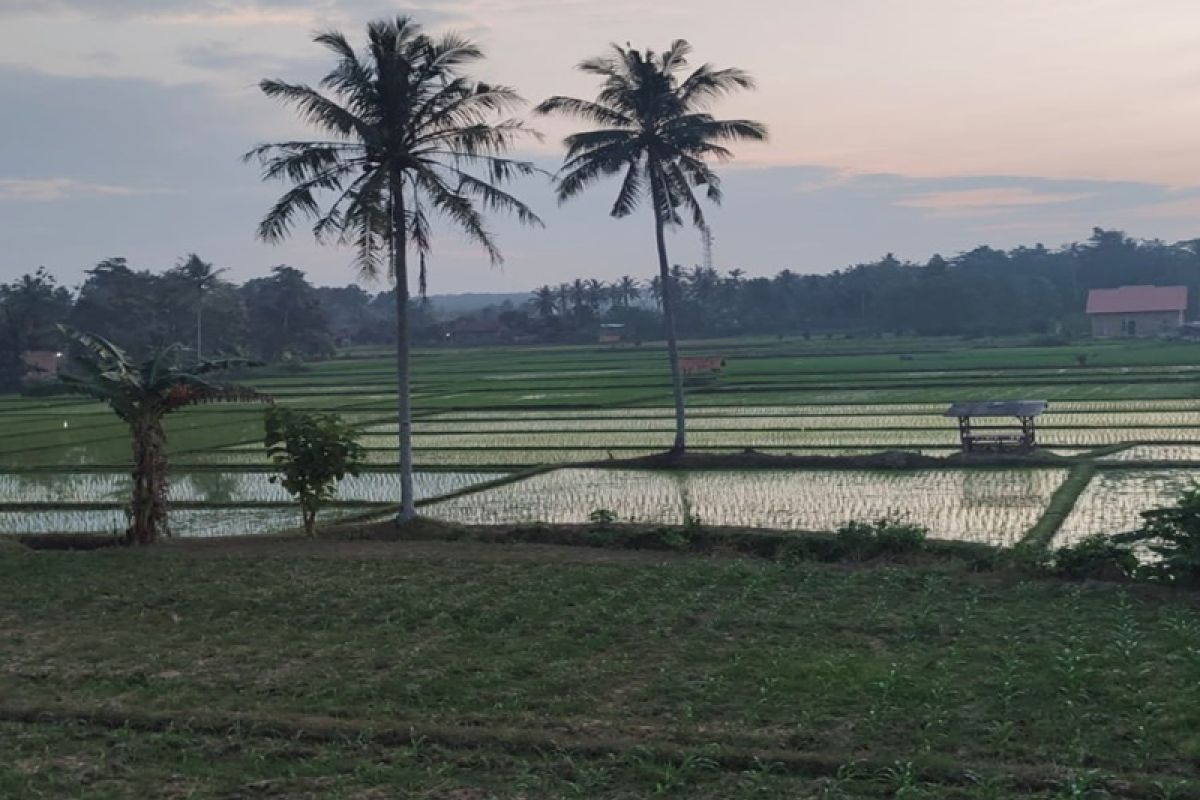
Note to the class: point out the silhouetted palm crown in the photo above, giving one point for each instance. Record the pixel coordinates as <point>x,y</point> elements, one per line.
<point>401,111</point>
<point>654,127</point>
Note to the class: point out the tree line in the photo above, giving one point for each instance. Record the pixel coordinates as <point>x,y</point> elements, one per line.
<point>982,292</point>
<point>142,311</point>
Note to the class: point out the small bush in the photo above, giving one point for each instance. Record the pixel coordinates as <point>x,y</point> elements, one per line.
<point>889,535</point>
<point>900,537</point>
<point>857,539</point>
<point>1097,557</point>
<point>676,541</point>
<point>1173,536</point>
<point>311,452</point>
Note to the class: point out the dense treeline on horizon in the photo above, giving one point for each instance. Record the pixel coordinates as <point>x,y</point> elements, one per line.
<point>982,292</point>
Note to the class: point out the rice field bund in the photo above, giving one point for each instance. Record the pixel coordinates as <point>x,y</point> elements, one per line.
<point>526,435</point>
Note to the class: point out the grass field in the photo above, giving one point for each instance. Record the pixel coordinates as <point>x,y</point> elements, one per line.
<point>277,668</point>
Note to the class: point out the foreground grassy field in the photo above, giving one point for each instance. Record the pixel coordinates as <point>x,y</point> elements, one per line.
<point>272,668</point>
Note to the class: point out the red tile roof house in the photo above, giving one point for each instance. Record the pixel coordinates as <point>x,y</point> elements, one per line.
<point>1137,310</point>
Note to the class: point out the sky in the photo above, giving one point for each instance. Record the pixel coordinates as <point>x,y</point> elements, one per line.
<point>906,126</point>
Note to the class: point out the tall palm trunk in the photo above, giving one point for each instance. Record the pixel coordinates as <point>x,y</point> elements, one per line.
<point>668,306</point>
<point>404,400</point>
<point>148,506</point>
<point>199,324</point>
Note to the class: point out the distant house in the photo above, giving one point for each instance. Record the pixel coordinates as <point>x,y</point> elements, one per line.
<point>1137,310</point>
<point>41,364</point>
<point>701,365</point>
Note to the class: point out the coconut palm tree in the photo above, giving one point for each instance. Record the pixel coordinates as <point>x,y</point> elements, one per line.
<point>564,298</point>
<point>408,135</point>
<point>200,276</point>
<point>544,302</point>
<point>626,291</point>
<point>654,126</point>
<point>597,294</point>
<point>655,289</point>
<point>142,394</point>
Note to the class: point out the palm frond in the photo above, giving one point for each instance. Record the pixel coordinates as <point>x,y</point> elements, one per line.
<point>707,84</point>
<point>458,208</point>
<point>495,199</point>
<point>315,108</point>
<point>632,188</point>
<point>675,57</point>
<point>586,110</point>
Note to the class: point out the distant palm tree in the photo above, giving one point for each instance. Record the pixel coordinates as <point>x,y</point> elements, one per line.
<point>654,287</point>
<point>201,277</point>
<point>407,133</point>
<point>654,127</point>
<point>597,294</point>
<point>544,301</point>
<point>579,297</point>
<point>625,291</point>
<point>142,394</point>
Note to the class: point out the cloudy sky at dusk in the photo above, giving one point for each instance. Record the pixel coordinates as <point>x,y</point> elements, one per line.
<point>912,126</point>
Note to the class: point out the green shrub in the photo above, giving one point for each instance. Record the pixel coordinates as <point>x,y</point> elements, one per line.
<point>1096,557</point>
<point>857,539</point>
<point>888,535</point>
<point>676,541</point>
<point>1173,536</point>
<point>895,536</point>
<point>311,452</point>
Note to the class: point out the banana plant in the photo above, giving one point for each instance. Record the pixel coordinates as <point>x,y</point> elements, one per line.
<point>142,394</point>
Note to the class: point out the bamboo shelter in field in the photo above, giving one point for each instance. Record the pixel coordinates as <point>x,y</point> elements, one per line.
<point>1019,436</point>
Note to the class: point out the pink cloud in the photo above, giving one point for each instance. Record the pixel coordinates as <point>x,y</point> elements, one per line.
<point>985,202</point>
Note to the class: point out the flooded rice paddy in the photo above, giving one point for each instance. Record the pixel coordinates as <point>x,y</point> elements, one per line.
<point>1113,500</point>
<point>480,417</point>
<point>995,506</point>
